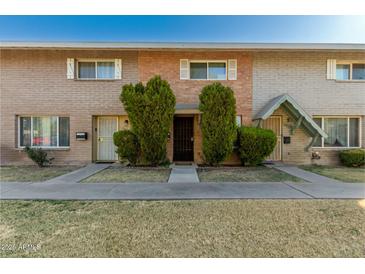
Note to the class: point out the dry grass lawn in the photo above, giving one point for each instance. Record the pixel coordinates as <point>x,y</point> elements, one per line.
<point>32,173</point>
<point>126,175</point>
<point>244,174</point>
<point>345,174</point>
<point>234,228</point>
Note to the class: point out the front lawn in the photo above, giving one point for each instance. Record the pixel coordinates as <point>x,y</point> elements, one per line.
<point>125,175</point>
<point>234,228</point>
<point>32,173</point>
<point>345,174</point>
<point>244,174</point>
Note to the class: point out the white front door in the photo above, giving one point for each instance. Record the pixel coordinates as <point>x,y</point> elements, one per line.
<point>106,127</point>
<point>274,123</point>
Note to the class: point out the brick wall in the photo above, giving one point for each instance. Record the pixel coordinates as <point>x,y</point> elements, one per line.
<point>167,64</point>
<point>33,82</point>
<point>303,76</point>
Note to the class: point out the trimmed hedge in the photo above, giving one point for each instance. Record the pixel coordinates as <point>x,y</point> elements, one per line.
<point>255,144</point>
<point>150,110</point>
<point>127,144</point>
<point>218,124</point>
<point>39,156</point>
<point>353,157</point>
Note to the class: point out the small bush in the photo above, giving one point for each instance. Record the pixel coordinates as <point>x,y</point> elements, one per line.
<point>127,145</point>
<point>218,107</point>
<point>38,156</point>
<point>353,157</point>
<point>255,144</point>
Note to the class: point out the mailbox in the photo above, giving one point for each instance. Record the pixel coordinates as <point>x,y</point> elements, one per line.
<point>286,139</point>
<point>81,136</point>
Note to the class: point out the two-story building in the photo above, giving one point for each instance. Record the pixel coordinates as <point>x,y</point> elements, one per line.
<point>64,97</point>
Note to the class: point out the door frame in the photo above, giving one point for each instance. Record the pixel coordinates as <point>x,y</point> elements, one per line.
<point>281,136</point>
<point>97,136</point>
<point>173,137</point>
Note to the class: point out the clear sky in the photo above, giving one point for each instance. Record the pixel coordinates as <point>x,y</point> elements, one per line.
<point>331,29</point>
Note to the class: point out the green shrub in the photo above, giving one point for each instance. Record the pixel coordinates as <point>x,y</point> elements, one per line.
<point>255,144</point>
<point>127,146</point>
<point>352,157</point>
<point>150,110</point>
<point>218,124</point>
<point>38,156</point>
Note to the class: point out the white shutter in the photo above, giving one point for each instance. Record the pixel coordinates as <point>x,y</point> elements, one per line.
<point>118,69</point>
<point>184,69</point>
<point>70,68</point>
<point>232,69</point>
<point>331,69</point>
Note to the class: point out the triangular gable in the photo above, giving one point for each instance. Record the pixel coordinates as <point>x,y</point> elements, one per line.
<point>295,110</point>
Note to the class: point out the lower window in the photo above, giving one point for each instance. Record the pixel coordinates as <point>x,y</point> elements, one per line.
<point>342,131</point>
<point>44,131</point>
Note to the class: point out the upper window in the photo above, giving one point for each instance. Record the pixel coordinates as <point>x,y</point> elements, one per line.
<point>342,131</point>
<point>96,69</point>
<point>350,71</point>
<point>44,131</point>
<point>215,70</point>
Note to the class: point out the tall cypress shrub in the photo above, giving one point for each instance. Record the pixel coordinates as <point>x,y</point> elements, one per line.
<point>218,107</point>
<point>150,110</point>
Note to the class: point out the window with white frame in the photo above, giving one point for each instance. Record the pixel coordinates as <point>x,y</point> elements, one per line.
<point>350,71</point>
<point>103,69</point>
<point>44,131</point>
<point>208,70</point>
<point>342,132</point>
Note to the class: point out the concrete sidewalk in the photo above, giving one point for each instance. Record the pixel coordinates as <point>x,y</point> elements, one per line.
<point>78,175</point>
<point>182,185</point>
<point>181,191</point>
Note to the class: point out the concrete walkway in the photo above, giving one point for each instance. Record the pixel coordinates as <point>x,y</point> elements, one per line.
<point>66,188</point>
<point>78,175</point>
<point>183,174</point>
<point>303,174</point>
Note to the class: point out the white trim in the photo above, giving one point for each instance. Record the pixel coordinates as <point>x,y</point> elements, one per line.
<point>232,70</point>
<point>348,117</point>
<point>207,62</point>
<point>96,61</point>
<point>31,132</point>
<point>350,63</point>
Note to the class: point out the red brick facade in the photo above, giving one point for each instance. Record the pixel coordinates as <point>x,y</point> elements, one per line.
<point>34,82</point>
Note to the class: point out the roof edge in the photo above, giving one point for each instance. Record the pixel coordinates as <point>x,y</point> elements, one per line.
<point>180,45</point>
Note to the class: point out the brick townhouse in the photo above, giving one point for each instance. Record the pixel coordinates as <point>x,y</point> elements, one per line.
<point>64,97</point>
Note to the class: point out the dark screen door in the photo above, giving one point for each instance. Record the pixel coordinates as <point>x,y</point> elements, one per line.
<point>183,139</point>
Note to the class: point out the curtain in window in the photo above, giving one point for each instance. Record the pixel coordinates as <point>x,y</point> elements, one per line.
<point>64,131</point>
<point>86,70</point>
<point>336,128</point>
<point>44,131</point>
<point>354,132</point>
<point>358,71</point>
<point>318,142</point>
<point>105,70</point>
<point>25,131</point>
<point>198,70</point>
<point>343,72</point>
<point>217,71</point>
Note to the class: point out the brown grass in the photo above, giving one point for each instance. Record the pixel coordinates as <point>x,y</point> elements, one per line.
<point>126,175</point>
<point>32,173</point>
<point>244,174</point>
<point>235,228</point>
<point>345,174</point>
